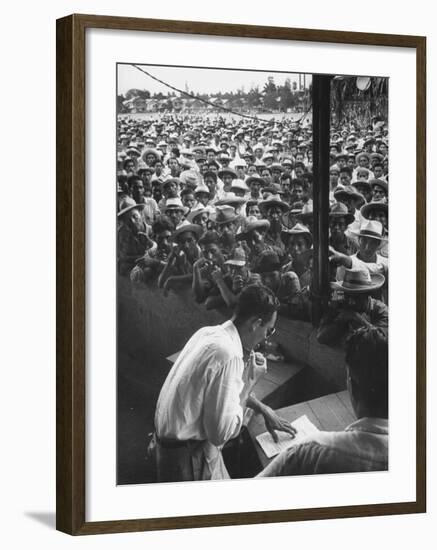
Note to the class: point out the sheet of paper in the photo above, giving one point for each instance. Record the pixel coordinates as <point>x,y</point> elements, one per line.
<point>304,427</point>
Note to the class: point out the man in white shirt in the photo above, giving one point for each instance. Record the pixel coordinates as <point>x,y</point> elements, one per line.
<point>202,402</point>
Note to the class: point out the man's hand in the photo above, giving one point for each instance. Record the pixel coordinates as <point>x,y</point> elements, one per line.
<point>274,422</point>
<point>216,275</point>
<point>200,263</point>
<point>257,366</point>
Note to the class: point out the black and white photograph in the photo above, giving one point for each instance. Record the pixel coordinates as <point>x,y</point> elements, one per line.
<point>252,273</point>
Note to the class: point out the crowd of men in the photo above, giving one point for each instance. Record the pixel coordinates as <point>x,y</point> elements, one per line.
<point>214,204</point>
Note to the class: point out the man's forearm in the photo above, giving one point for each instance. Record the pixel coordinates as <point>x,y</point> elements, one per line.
<point>255,404</point>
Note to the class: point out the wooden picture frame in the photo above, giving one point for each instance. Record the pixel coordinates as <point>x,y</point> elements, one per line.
<point>71,252</point>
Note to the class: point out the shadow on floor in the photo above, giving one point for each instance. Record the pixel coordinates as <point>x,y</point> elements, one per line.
<point>45,518</point>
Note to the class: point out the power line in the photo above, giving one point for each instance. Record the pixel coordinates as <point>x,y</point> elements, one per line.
<point>205,100</point>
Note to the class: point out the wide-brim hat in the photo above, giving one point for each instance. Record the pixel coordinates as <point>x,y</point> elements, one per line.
<point>298,230</point>
<point>185,228</point>
<point>362,184</point>
<point>372,229</point>
<point>362,155</point>
<point>339,210</point>
<point>380,183</point>
<point>174,204</point>
<point>375,205</point>
<point>359,281</point>
<point>273,200</point>
<point>225,214</point>
<point>151,151</point>
<point>128,206</point>
<point>227,171</point>
<point>306,214</point>
<point>238,257</point>
<point>251,224</point>
<point>257,179</point>
<point>231,199</point>
<point>192,215</point>
<point>267,261</point>
<point>351,193</point>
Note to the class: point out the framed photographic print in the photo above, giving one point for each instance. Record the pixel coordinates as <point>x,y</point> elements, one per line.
<point>239,340</point>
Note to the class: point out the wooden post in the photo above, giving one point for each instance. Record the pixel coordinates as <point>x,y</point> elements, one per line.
<point>321,98</point>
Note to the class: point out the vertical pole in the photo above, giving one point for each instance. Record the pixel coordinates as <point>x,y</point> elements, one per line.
<point>300,82</point>
<point>321,98</point>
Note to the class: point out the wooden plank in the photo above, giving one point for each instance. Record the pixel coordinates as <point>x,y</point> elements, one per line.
<point>346,400</point>
<point>337,406</point>
<point>328,418</point>
<point>281,372</point>
<point>264,387</point>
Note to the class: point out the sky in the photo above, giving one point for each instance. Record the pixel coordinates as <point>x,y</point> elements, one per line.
<point>199,80</point>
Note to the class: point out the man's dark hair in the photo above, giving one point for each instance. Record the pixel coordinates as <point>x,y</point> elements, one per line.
<point>255,301</point>
<point>367,359</point>
<point>127,161</point>
<point>301,183</point>
<point>347,170</point>
<point>162,224</point>
<point>132,179</point>
<point>186,191</point>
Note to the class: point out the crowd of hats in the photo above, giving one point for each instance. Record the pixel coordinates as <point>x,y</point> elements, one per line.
<point>215,171</point>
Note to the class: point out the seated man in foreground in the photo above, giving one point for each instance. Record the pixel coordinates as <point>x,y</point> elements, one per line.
<point>362,446</point>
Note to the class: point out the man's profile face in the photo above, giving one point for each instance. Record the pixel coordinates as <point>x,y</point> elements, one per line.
<point>138,190</point>
<point>134,220</point>
<point>264,329</point>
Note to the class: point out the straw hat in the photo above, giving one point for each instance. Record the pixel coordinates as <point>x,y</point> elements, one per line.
<point>298,230</point>
<point>376,205</point>
<point>238,257</point>
<point>372,229</point>
<point>339,210</point>
<point>359,281</point>
<point>187,228</point>
<point>127,205</point>
<point>273,200</point>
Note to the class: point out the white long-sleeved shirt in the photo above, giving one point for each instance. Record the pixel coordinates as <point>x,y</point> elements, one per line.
<point>200,398</point>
